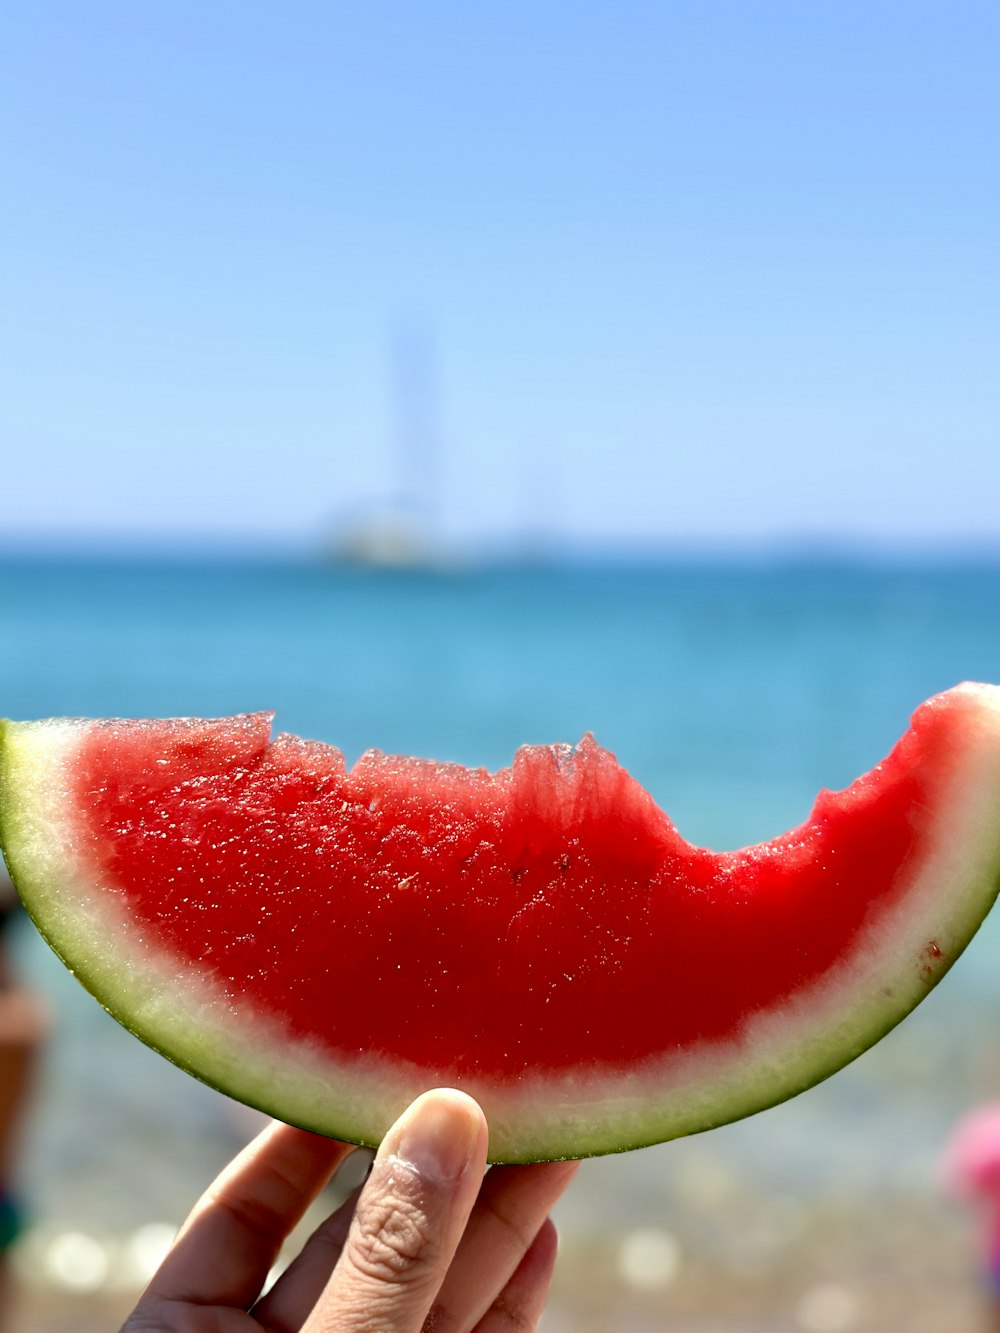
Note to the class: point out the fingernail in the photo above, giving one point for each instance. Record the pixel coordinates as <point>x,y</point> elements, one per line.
<point>437,1135</point>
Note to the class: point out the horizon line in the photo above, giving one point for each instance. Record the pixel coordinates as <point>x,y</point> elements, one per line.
<point>826,549</point>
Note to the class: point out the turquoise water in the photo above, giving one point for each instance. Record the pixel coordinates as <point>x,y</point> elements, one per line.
<point>732,693</point>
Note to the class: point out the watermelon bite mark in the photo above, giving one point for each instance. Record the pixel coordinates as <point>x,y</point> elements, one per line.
<point>325,942</point>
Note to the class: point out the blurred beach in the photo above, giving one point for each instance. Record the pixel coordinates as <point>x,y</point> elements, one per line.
<point>734,693</point>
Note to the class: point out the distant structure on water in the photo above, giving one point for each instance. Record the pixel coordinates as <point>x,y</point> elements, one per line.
<point>403,531</point>
<point>386,540</point>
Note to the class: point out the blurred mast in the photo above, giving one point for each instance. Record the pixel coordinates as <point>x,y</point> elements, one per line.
<point>415,433</point>
<point>404,531</point>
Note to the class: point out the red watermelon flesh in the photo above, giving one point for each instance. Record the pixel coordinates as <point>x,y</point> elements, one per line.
<point>542,936</point>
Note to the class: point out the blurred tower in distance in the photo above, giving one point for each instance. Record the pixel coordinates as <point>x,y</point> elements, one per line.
<point>404,531</point>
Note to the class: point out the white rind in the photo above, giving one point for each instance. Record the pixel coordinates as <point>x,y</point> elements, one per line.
<point>586,1110</point>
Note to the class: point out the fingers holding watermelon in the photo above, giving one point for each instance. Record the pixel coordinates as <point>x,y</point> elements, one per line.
<point>520,1303</point>
<point>225,1250</point>
<point>429,1241</point>
<point>507,1247</point>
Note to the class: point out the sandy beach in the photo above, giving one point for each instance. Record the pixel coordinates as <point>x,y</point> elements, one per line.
<point>903,1268</point>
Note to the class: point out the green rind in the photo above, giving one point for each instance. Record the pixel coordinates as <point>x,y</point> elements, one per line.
<point>585,1112</point>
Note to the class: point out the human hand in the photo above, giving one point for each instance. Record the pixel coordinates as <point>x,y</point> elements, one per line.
<point>428,1242</point>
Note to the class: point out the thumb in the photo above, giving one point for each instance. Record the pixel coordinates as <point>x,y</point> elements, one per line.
<point>409,1219</point>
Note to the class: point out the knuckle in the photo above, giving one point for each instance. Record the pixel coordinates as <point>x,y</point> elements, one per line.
<point>164,1316</point>
<point>393,1241</point>
<point>513,1318</point>
<point>514,1230</point>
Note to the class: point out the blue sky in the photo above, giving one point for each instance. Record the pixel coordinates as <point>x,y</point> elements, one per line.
<point>681,273</point>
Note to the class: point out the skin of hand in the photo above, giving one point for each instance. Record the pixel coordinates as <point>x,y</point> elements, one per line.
<point>432,1241</point>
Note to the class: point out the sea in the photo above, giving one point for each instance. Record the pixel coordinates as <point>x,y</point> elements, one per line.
<point>732,689</point>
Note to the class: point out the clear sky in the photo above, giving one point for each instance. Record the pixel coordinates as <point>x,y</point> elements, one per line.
<point>675,272</point>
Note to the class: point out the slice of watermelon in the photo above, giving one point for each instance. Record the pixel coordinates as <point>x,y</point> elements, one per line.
<point>324,944</point>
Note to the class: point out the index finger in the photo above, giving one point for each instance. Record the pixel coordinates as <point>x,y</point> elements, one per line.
<point>225,1249</point>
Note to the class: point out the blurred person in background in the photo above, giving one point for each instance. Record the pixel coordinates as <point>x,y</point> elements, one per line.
<point>971,1173</point>
<point>24,1022</point>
